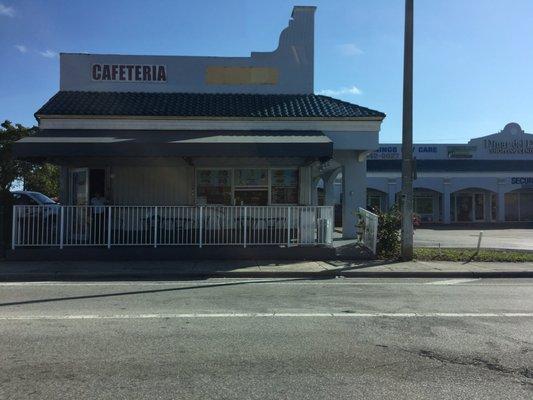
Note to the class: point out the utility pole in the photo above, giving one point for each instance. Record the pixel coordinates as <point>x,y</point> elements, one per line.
<point>407,136</point>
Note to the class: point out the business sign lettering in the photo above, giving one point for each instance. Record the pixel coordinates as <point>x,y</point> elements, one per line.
<point>520,180</point>
<point>391,152</point>
<point>517,146</point>
<point>461,151</point>
<point>129,73</point>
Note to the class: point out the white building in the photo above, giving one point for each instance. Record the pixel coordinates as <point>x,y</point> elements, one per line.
<point>488,179</point>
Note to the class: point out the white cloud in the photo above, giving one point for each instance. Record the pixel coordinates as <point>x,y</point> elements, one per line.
<point>48,54</point>
<point>338,92</point>
<point>7,10</point>
<point>349,49</point>
<point>21,48</point>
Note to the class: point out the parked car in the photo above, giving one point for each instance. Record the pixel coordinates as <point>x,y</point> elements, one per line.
<point>27,198</point>
<point>37,217</point>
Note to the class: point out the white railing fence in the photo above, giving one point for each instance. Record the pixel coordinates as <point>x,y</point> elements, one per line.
<point>60,226</point>
<point>368,225</point>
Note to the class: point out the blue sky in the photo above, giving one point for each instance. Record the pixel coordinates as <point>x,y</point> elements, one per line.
<point>473,59</point>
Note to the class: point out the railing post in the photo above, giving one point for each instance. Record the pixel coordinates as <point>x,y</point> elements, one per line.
<point>200,227</point>
<point>61,226</point>
<point>108,227</point>
<point>13,222</point>
<point>244,226</point>
<point>155,226</point>
<point>288,226</point>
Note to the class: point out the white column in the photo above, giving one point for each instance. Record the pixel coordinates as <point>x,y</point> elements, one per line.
<point>446,209</point>
<point>353,189</point>
<point>501,200</point>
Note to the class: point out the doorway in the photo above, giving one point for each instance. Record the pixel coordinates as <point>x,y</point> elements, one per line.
<point>85,183</point>
<point>469,207</point>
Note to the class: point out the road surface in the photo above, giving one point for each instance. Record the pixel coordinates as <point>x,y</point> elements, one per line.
<point>268,339</point>
<point>515,239</point>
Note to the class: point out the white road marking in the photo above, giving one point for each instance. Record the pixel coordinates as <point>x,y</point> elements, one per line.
<point>453,281</point>
<point>281,281</point>
<point>263,315</point>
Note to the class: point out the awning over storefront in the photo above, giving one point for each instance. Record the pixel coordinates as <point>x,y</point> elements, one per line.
<point>452,165</point>
<point>59,143</point>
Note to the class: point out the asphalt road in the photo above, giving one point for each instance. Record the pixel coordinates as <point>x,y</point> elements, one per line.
<point>283,339</point>
<point>515,239</point>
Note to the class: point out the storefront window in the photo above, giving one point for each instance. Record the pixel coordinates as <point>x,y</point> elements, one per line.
<point>251,187</point>
<point>213,186</point>
<point>526,206</point>
<point>373,202</point>
<point>493,207</point>
<point>423,205</point>
<point>284,186</point>
<point>511,207</point>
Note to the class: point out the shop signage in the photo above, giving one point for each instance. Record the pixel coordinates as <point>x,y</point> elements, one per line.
<point>129,73</point>
<point>516,146</point>
<point>392,152</point>
<point>522,180</point>
<point>461,151</point>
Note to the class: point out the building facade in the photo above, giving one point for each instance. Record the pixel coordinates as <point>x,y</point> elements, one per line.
<point>183,131</point>
<point>488,179</point>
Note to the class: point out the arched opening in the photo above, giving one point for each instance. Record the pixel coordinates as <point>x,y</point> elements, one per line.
<point>473,205</point>
<point>519,205</point>
<point>320,192</point>
<point>376,200</point>
<point>427,205</point>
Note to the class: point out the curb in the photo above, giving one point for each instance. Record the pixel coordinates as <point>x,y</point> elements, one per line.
<point>328,274</point>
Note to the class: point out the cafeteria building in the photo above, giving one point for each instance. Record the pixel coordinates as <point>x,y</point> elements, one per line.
<point>180,146</point>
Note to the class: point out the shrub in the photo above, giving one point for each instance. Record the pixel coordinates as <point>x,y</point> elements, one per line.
<point>389,225</point>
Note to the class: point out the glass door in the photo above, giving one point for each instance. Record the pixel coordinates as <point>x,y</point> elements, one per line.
<point>464,208</point>
<point>79,186</point>
<point>479,206</point>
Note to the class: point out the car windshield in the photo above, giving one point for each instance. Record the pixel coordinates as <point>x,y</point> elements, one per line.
<point>42,199</point>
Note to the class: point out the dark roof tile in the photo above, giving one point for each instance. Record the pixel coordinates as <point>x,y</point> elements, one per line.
<point>203,105</point>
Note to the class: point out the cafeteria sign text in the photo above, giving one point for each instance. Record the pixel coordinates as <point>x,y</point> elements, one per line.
<point>129,73</point>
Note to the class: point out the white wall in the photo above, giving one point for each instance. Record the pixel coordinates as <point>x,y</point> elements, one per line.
<point>293,60</point>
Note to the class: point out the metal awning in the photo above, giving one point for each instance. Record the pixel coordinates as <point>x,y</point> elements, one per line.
<point>56,143</point>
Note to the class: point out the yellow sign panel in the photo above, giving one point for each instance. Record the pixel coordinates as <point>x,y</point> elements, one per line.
<point>241,76</point>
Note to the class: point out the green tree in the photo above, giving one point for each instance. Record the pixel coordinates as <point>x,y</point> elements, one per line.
<point>10,168</point>
<point>39,177</point>
<point>42,178</point>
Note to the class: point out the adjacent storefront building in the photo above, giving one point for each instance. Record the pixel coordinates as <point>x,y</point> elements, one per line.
<point>489,179</point>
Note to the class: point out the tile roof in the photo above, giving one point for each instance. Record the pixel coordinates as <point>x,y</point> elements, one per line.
<point>203,105</point>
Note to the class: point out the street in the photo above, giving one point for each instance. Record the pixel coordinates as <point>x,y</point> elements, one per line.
<point>268,339</point>
<point>450,236</point>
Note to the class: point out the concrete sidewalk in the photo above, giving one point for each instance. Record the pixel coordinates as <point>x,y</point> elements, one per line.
<point>176,270</point>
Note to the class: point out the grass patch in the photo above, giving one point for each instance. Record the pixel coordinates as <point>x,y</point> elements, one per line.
<point>446,254</point>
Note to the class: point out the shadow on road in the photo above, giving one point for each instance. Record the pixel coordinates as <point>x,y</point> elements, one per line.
<point>95,296</point>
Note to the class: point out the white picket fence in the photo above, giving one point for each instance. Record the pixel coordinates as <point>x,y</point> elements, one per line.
<point>369,234</point>
<point>60,226</point>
